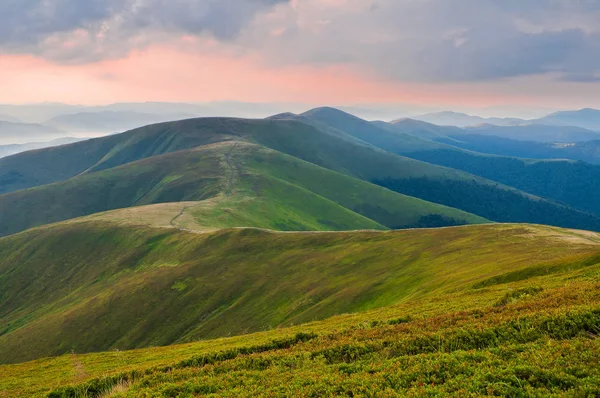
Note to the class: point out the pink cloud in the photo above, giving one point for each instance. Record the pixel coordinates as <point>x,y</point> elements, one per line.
<point>167,74</point>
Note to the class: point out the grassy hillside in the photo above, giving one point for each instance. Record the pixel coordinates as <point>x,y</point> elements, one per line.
<point>576,184</point>
<point>465,191</point>
<point>588,151</point>
<point>470,311</point>
<point>390,139</point>
<point>572,183</point>
<point>153,180</point>
<point>536,132</point>
<point>328,147</point>
<point>50,165</point>
<point>141,286</point>
<point>248,186</point>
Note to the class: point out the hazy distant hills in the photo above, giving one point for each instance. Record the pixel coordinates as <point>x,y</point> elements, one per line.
<point>10,119</point>
<point>586,118</point>
<point>11,133</point>
<point>568,126</point>
<point>42,112</point>
<point>7,150</point>
<point>535,132</point>
<point>458,119</point>
<point>526,141</point>
<point>109,121</point>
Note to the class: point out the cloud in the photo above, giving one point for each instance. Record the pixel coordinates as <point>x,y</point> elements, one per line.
<point>81,31</point>
<point>439,40</point>
<point>432,41</point>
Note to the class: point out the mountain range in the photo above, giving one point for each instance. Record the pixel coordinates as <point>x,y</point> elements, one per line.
<point>262,229</point>
<point>458,119</point>
<point>20,133</point>
<point>581,125</point>
<point>109,121</point>
<point>12,149</point>
<point>584,118</point>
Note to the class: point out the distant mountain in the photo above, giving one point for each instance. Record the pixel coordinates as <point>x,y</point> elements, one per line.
<point>40,113</point>
<point>19,133</point>
<point>448,118</point>
<point>10,119</point>
<point>7,150</point>
<point>536,132</point>
<point>460,194</point>
<point>529,132</point>
<point>586,118</point>
<point>367,131</point>
<point>572,183</point>
<point>419,128</point>
<point>110,121</point>
<point>588,151</point>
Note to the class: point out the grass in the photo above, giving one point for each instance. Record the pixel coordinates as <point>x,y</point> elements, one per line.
<point>79,167</point>
<point>256,187</point>
<point>542,341</point>
<point>488,198</point>
<point>142,286</point>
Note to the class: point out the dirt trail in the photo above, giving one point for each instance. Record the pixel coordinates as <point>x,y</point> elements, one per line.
<point>179,215</point>
<point>228,188</point>
<point>231,170</point>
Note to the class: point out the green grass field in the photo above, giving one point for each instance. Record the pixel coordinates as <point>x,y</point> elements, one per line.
<point>519,317</point>
<point>235,185</point>
<point>91,286</point>
<point>145,166</point>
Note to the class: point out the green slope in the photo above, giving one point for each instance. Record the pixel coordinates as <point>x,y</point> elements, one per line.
<point>576,184</point>
<point>49,165</point>
<point>94,286</point>
<point>536,338</point>
<point>465,191</point>
<point>270,174</point>
<point>371,133</point>
<point>248,186</point>
<point>326,147</point>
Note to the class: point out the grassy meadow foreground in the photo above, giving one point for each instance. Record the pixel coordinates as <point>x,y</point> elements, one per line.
<point>519,316</point>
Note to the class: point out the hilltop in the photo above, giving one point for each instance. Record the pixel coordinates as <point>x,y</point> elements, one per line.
<point>229,184</point>
<point>345,152</point>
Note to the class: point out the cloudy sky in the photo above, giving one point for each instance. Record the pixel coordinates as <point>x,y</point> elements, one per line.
<point>445,53</point>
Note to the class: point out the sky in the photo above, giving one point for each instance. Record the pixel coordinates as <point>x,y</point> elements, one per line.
<point>527,55</point>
